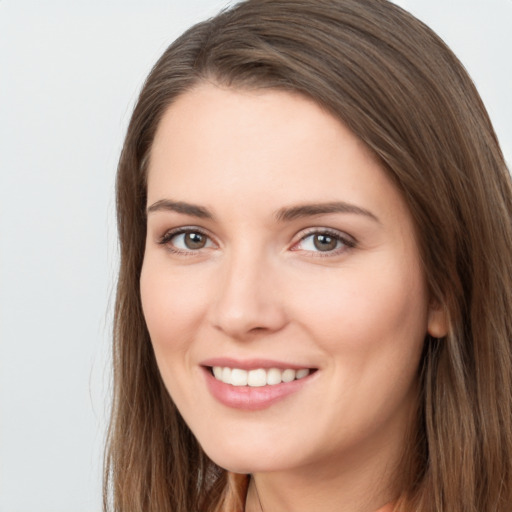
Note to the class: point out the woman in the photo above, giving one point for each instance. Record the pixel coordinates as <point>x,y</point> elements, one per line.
<point>315,283</point>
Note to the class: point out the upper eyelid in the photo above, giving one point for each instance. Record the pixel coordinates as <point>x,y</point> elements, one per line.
<point>185,229</point>
<point>170,233</point>
<point>347,241</point>
<point>325,230</point>
<point>301,235</point>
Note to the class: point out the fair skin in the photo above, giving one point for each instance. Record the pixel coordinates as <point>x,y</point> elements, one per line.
<point>239,274</point>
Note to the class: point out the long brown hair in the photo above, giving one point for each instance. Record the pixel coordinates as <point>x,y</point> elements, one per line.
<point>398,87</point>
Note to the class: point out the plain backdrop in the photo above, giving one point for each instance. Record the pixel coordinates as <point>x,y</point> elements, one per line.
<point>70,72</point>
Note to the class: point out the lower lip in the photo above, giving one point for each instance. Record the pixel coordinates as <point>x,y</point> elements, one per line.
<point>251,398</point>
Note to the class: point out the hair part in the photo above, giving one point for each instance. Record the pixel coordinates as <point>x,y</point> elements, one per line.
<point>399,88</point>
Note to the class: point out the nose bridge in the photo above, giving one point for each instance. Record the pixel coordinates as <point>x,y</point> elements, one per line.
<point>247,299</point>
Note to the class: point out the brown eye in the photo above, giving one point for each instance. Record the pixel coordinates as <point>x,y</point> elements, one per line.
<point>327,242</point>
<point>324,242</point>
<point>194,240</point>
<point>186,240</point>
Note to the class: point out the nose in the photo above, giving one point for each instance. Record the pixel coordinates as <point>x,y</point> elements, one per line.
<point>248,300</point>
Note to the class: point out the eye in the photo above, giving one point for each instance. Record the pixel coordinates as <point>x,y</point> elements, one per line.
<point>325,241</point>
<point>186,240</point>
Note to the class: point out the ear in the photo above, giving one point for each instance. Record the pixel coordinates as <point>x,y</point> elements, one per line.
<point>438,323</point>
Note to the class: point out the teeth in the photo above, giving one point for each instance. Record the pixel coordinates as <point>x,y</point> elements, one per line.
<point>226,375</point>
<point>288,375</point>
<point>302,373</point>
<point>274,376</point>
<point>259,377</point>
<point>238,377</point>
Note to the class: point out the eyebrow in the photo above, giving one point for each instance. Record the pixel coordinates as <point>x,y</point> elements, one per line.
<point>180,207</point>
<point>310,210</point>
<point>282,215</point>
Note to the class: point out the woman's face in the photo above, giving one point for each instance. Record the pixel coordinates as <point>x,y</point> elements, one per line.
<point>280,257</point>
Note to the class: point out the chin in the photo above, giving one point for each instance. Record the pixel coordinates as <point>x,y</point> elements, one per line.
<point>253,458</point>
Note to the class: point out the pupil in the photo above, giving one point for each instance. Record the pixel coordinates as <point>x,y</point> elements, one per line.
<point>195,241</point>
<point>325,242</point>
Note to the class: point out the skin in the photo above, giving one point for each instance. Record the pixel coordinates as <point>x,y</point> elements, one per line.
<point>260,288</point>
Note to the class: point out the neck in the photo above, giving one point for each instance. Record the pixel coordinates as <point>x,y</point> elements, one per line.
<point>253,501</point>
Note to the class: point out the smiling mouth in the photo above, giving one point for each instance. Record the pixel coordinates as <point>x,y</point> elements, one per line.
<point>258,377</point>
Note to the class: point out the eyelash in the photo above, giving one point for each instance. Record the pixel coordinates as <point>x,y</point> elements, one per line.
<point>346,241</point>
<point>169,235</point>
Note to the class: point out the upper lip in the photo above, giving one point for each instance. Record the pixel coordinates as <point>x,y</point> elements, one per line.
<point>252,364</point>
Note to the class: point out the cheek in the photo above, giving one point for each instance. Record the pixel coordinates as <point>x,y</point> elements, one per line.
<point>372,325</point>
<point>172,307</point>
<point>367,310</point>
<point>171,304</point>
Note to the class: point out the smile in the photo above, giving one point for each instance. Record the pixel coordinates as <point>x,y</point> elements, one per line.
<point>258,377</point>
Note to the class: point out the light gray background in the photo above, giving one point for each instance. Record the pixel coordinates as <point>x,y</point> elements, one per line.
<point>69,75</point>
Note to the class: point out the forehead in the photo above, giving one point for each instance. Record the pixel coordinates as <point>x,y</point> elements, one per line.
<point>270,138</point>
